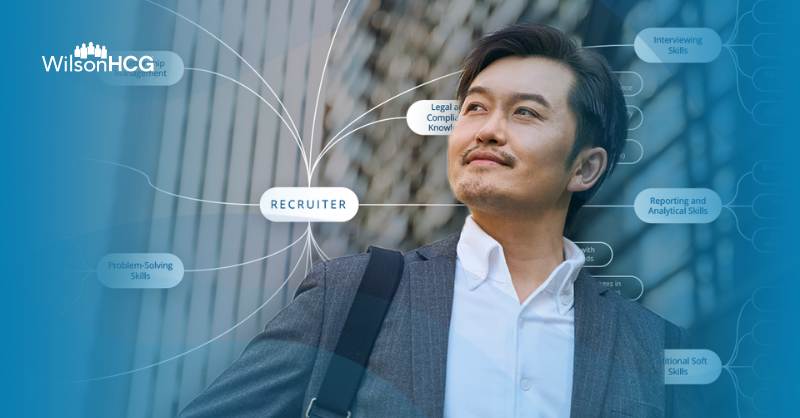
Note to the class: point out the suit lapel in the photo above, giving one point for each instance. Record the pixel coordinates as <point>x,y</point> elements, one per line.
<point>595,334</point>
<point>431,283</point>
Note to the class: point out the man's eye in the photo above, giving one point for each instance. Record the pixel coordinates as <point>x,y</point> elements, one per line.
<point>526,112</point>
<point>473,106</point>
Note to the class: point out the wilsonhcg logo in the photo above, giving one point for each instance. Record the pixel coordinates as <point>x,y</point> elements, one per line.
<point>81,60</point>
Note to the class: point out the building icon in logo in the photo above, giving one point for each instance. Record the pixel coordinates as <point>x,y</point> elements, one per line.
<point>96,58</point>
<point>85,52</point>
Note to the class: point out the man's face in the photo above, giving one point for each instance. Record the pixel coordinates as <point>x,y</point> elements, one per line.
<point>507,151</point>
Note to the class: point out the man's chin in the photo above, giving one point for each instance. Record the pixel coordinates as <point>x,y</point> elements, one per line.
<point>483,196</point>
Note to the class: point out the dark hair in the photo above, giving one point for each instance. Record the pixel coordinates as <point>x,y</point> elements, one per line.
<point>595,97</point>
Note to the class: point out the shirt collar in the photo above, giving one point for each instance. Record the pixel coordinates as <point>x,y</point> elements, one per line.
<point>482,258</point>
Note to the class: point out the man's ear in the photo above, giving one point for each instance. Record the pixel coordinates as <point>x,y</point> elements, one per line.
<point>589,166</point>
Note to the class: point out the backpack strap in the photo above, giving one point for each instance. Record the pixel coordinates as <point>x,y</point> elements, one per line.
<point>372,301</point>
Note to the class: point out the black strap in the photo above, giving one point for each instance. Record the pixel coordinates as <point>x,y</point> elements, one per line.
<point>375,294</point>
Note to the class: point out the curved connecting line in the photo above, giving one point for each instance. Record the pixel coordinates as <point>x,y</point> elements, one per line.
<point>80,249</point>
<point>411,204</point>
<point>162,190</point>
<point>735,380</point>
<point>296,132</point>
<point>309,256</point>
<point>319,90</point>
<point>251,261</point>
<point>736,61</point>
<point>736,347</point>
<point>300,259</point>
<point>737,70</point>
<point>68,304</point>
<point>330,145</point>
<point>377,106</point>
<point>737,187</point>
<point>296,138</point>
<point>736,26</point>
<point>319,250</point>
<point>737,223</point>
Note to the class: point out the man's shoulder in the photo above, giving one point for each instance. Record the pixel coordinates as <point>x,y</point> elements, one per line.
<point>345,272</point>
<point>445,247</point>
<point>629,311</point>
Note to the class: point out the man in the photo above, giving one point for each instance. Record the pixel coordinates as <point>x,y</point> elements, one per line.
<point>499,320</point>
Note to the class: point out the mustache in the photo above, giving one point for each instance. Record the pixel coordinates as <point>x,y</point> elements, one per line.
<point>507,158</point>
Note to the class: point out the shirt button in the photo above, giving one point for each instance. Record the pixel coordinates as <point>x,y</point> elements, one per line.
<point>525,385</point>
<point>565,299</point>
<point>521,323</point>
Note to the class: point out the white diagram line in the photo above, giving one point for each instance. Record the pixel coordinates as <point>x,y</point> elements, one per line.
<point>411,204</point>
<point>737,223</point>
<point>737,186</point>
<point>80,251</point>
<point>733,380</point>
<point>316,247</point>
<point>381,104</point>
<point>81,291</point>
<point>162,190</point>
<point>605,46</point>
<point>739,414</point>
<point>310,255</point>
<point>735,352</point>
<point>738,90</point>
<point>607,206</point>
<point>310,258</point>
<point>319,249</point>
<point>736,384</point>
<point>319,90</point>
<point>321,253</point>
<point>736,62</point>
<point>736,26</point>
<point>306,247</point>
<point>251,261</point>
<point>738,321</point>
<point>331,144</point>
<point>201,345</point>
<point>738,387</point>
<point>296,139</point>
<point>296,132</point>
<point>308,262</point>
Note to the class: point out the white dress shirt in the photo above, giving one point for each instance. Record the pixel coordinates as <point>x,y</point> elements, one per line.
<point>506,359</point>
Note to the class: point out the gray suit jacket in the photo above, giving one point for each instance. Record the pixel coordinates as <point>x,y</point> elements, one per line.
<point>618,367</point>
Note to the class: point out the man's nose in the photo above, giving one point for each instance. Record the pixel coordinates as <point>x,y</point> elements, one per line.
<point>494,131</point>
